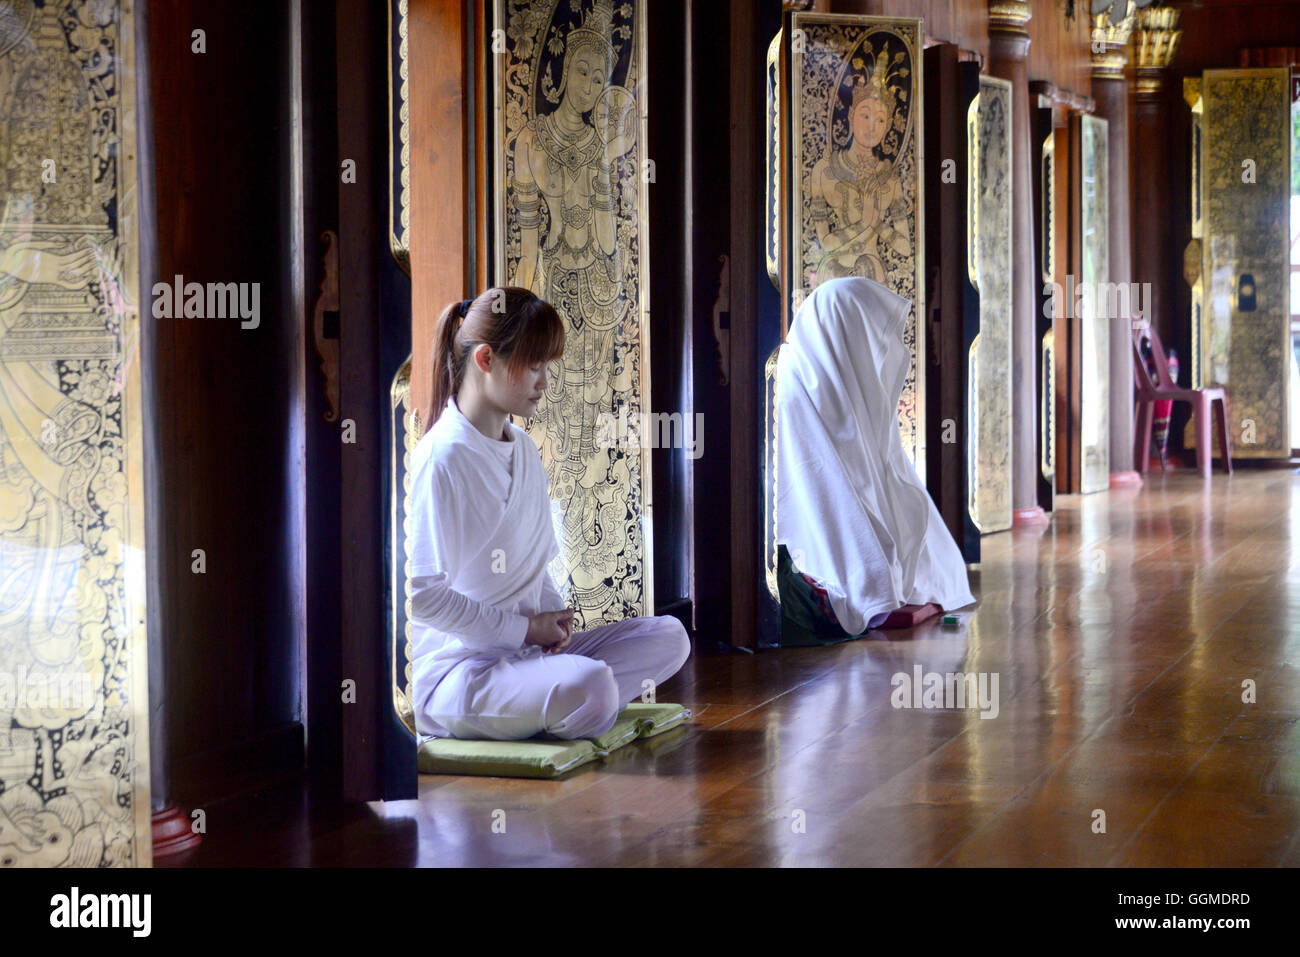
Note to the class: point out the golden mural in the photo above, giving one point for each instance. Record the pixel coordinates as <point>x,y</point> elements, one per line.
<point>770,546</point>
<point>570,224</point>
<point>989,251</point>
<point>1094,358</point>
<point>1047,387</point>
<point>1192,253</point>
<point>399,136</point>
<point>857,211</point>
<point>74,738</point>
<point>405,433</point>
<point>772,197</point>
<point>1244,335</point>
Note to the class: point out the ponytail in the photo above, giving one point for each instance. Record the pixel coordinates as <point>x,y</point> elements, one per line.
<point>520,328</point>
<point>444,368</point>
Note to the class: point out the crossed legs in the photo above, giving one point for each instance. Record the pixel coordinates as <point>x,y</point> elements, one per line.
<point>575,694</point>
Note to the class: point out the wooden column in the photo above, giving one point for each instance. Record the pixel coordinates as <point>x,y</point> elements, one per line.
<point>363,242</point>
<point>1053,108</point>
<point>952,303</point>
<point>171,832</point>
<point>1008,59</point>
<point>1154,43</point>
<point>1110,90</point>
<point>746,261</point>
<point>1067,261</point>
<point>442,231</point>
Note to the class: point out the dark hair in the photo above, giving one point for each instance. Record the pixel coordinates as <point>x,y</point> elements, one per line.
<point>518,326</point>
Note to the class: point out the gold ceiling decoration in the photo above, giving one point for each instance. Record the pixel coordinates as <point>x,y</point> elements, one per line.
<point>1009,16</point>
<point>1109,40</point>
<point>1155,38</point>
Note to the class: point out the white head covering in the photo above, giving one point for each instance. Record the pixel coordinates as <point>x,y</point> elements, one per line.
<point>850,507</point>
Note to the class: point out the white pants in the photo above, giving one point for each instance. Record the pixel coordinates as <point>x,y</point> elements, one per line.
<point>577,693</point>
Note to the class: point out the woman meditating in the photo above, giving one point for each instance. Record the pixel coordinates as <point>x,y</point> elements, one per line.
<point>849,502</point>
<point>494,655</point>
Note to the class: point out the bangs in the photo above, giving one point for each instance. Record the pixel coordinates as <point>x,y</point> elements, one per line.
<point>540,337</point>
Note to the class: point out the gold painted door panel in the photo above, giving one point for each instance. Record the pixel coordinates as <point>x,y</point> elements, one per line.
<point>856,160</point>
<point>569,213</point>
<point>989,252</point>
<point>1244,337</point>
<point>1094,324</point>
<point>74,727</point>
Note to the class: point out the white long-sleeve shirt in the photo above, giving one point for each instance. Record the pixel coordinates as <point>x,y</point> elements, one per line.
<point>475,623</point>
<point>481,535</point>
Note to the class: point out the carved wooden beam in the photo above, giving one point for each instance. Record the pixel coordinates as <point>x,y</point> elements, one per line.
<point>1066,100</point>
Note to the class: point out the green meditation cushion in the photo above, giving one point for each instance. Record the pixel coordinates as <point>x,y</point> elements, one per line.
<point>538,758</point>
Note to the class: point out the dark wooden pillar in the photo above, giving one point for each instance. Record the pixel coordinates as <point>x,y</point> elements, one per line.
<point>1160,254</point>
<point>671,342</point>
<point>707,255</point>
<point>746,92</point>
<point>1008,59</point>
<point>1110,91</point>
<point>378,755</point>
<point>952,303</point>
<point>171,831</point>
<point>230,661</point>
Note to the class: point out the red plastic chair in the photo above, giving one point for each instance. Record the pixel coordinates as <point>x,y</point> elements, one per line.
<point>1202,400</point>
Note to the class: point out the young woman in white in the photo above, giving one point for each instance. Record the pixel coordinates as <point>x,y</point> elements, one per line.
<point>493,651</point>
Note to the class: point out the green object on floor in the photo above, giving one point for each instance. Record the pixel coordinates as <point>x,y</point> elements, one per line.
<point>950,620</point>
<point>806,616</point>
<point>545,758</point>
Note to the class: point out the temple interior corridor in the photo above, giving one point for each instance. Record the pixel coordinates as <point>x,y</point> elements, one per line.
<point>1121,636</point>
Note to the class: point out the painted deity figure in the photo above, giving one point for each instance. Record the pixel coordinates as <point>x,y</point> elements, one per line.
<point>49,453</point>
<point>857,201</point>
<point>567,159</point>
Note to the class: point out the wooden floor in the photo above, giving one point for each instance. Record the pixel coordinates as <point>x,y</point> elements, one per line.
<point>1121,636</point>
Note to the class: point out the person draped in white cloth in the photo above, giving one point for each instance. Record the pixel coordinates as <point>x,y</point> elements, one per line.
<point>494,655</point>
<point>849,502</point>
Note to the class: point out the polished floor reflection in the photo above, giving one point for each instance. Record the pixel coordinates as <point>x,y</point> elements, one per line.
<point>1124,637</point>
